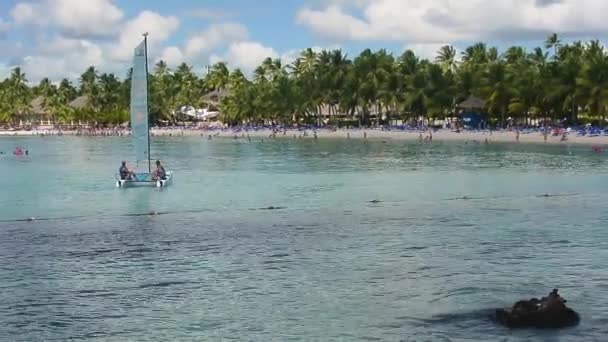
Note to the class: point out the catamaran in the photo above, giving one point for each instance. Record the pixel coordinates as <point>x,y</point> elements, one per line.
<point>140,130</point>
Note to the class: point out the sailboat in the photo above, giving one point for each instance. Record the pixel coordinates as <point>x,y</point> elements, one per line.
<point>140,128</point>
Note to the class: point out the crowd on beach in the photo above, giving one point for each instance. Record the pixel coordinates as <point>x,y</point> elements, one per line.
<point>581,134</point>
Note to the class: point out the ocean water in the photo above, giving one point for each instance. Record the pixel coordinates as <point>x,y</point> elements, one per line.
<point>457,231</point>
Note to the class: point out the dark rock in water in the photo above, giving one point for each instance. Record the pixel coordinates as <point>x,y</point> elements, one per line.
<point>547,313</point>
<point>273,208</point>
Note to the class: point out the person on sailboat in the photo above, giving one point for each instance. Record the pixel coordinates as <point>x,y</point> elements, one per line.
<point>159,173</point>
<point>125,172</point>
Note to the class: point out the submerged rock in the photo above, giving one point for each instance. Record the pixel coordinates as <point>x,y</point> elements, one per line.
<point>548,312</point>
<point>273,208</point>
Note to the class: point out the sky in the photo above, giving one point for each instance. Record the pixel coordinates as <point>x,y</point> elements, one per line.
<point>61,38</point>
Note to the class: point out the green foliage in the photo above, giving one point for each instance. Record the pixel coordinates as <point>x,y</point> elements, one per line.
<point>554,81</point>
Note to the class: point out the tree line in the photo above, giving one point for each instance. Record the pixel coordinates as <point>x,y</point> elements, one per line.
<point>553,82</point>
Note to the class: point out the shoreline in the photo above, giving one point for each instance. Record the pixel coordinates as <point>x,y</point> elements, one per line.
<point>358,134</point>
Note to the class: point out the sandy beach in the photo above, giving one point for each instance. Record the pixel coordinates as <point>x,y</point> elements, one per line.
<point>371,134</point>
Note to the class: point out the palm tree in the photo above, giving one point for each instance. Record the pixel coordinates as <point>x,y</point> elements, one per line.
<point>515,82</point>
<point>18,96</point>
<point>553,42</point>
<point>446,57</point>
<point>163,91</point>
<point>88,81</point>
<point>219,76</point>
<point>498,89</point>
<point>593,85</point>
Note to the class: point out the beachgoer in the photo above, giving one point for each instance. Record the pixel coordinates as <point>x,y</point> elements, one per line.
<point>420,137</point>
<point>159,173</point>
<point>124,172</point>
<point>517,135</point>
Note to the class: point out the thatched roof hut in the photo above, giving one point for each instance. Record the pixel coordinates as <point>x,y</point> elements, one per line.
<point>472,102</point>
<point>80,102</point>
<point>37,106</point>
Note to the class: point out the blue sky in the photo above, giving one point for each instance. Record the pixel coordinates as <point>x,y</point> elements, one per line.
<point>60,38</point>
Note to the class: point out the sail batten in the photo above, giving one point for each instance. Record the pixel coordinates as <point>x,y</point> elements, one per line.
<point>139,104</point>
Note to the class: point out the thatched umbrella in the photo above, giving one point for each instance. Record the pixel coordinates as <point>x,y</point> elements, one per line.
<point>472,102</point>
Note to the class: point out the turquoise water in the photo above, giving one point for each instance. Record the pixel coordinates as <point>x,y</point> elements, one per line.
<point>422,264</point>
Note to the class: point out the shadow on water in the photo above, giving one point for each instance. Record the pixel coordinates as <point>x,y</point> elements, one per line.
<point>142,208</point>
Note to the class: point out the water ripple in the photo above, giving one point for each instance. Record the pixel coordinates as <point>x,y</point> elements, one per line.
<point>348,241</point>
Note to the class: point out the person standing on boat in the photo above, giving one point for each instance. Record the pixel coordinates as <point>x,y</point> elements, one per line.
<point>125,172</point>
<point>159,173</point>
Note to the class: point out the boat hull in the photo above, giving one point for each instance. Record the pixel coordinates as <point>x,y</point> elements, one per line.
<point>142,180</point>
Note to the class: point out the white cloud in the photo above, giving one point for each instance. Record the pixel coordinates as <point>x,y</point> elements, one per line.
<point>25,13</point>
<point>75,18</point>
<point>436,21</point>
<point>86,18</point>
<point>172,55</point>
<point>214,36</point>
<point>248,55</point>
<point>59,54</point>
<point>159,27</point>
<point>334,23</point>
<point>67,59</point>
<point>202,47</point>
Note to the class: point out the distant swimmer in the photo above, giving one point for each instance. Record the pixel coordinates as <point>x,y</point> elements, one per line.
<point>18,151</point>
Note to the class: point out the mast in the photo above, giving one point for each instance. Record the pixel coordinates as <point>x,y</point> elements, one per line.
<point>147,99</point>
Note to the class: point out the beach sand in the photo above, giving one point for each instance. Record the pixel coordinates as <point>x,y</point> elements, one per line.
<point>371,134</point>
